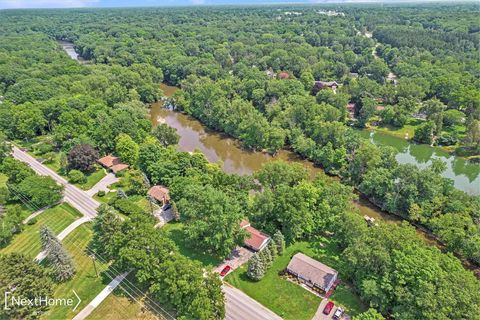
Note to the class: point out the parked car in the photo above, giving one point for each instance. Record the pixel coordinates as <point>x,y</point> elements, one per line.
<point>338,314</point>
<point>225,270</point>
<point>167,206</point>
<point>328,308</point>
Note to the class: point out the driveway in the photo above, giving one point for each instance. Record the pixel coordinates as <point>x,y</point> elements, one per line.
<point>320,316</point>
<point>103,185</point>
<point>238,257</point>
<point>163,216</point>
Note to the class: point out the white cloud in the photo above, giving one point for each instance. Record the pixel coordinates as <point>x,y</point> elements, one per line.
<point>17,4</point>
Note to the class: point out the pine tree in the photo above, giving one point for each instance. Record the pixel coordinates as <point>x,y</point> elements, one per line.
<point>279,240</point>
<point>266,257</point>
<point>256,268</point>
<point>273,249</point>
<point>56,255</point>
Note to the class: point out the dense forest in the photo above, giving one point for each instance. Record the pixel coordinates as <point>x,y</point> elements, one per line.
<point>273,77</point>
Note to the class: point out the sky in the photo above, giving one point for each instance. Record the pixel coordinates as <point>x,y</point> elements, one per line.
<point>11,4</point>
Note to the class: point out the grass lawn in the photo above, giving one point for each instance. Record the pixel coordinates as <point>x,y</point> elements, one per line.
<point>28,241</point>
<point>289,300</point>
<point>85,283</point>
<point>134,305</point>
<point>92,179</point>
<point>174,232</point>
<point>409,128</point>
<point>106,198</point>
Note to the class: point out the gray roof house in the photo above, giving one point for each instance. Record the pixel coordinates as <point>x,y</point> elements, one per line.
<point>312,272</point>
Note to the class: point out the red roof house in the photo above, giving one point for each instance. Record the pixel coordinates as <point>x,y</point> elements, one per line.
<point>160,194</point>
<point>256,240</point>
<point>109,161</point>
<point>283,75</point>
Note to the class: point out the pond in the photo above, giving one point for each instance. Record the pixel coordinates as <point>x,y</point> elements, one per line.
<point>465,175</point>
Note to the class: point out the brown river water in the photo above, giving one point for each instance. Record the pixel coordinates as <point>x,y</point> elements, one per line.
<point>227,151</point>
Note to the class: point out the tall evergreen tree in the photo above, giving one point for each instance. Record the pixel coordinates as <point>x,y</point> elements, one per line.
<point>56,255</point>
<point>273,249</point>
<point>256,268</point>
<point>279,240</point>
<point>266,257</point>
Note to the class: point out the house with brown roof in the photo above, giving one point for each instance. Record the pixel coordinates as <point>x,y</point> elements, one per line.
<point>283,75</point>
<point>311,272</point>
<point>113,163</point>
<point>108,161</point>
<point>160,194</point>
<point>255,240</point>
<point>118,167</point>
<point>320,85</point>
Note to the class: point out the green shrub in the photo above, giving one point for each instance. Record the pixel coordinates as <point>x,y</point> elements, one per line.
<point>101,193</point>
<point>76,176</point>
<point>127,207</point>
<point>43,148</point>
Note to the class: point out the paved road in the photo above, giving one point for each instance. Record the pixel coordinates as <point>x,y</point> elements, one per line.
<point>239,306</point>
<point>77,198</point>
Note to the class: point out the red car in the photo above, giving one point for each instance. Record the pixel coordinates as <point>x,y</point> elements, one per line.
<point>225,270</point>
<point>328,308</point>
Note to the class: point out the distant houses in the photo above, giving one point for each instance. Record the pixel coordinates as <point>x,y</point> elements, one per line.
<point>255,240</point>
<point>312,273</point>
<point>112,163</point>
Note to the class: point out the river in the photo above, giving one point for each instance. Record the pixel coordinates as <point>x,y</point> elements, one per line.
<point>227,151</point>
<point>220,148</point>
<point>70,50</point>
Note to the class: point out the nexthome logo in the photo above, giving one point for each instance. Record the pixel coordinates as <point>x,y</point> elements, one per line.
<point>12,301</point>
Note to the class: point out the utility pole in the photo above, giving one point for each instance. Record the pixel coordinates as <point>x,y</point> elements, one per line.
<point>94,264</point>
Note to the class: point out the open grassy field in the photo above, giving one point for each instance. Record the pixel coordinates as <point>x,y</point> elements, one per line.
<point>85,282</point>
<point>174,232</point>
<point>28,241</point>
<point>289,300</point>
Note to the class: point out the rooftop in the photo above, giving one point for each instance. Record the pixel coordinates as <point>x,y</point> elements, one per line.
<point>109,161</point>
<point>312,270</point>
<point>256,239</point>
